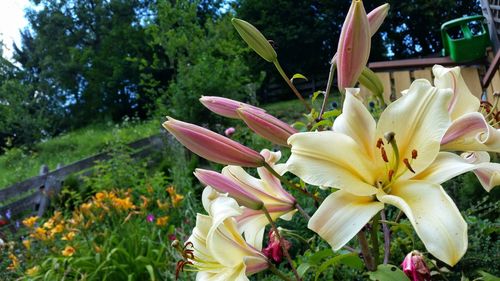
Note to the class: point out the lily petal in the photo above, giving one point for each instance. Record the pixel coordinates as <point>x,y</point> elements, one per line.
<point>356,122</point>
<point>331,159</point>
<point>425,110</point>
<point>471,132</point>
<point>341,216</point>
<point>463,101</point>
<point>487,173</point>
<point>434,216</point>
<point>446,166</point>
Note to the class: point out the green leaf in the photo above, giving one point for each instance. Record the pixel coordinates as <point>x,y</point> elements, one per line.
<point>326,123</point>
<point>151,272</point>
<point>388,272</point>
<point>302,269</point>
<point>487,276</point>
<point>318,256</point>
<point>315,95</point>
<point>299,125</point>
<point>298,76</point>
<point>351,258</point>
<point>331,113</point>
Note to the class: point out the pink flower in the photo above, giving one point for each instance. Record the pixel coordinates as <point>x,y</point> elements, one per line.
<point>150,218</point>
<point>229,132</point>
<point>415,268</point>
<point>273,250</point>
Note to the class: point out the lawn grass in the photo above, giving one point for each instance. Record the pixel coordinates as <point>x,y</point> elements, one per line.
<point>18,164</point>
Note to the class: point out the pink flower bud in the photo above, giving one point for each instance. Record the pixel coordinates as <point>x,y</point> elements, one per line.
<point>266,126</point>
<point>273,250</point>
<point>224,184</point>
<point>229,132</point>
<point>213,146</point>
<point>225,107</point>
<point>415,268</point>
<point>354,46</point>
<point>376,17</point>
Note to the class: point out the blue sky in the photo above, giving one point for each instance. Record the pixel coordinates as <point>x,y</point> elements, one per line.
<point>11,21</point>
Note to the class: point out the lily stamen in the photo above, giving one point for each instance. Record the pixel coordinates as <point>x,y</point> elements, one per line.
<point>407,164</point>
<point>390,174</point>
<point>384,155</point>
<point>380,143</point>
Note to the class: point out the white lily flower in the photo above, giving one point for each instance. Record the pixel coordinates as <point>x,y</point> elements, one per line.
<point>469,130</point>
<point>219,251</point>
<point>370,172</point>
<point>267,188</point>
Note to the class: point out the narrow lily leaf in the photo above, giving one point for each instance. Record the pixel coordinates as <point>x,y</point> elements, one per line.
<point>316,94</point>
<point>388,272</point>
<point>298,76</point>
<point>336,260</point>
<point>326,123</point>
<point>303,268</point>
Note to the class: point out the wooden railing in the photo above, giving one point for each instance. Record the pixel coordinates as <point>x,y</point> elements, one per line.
<point>34,194</point>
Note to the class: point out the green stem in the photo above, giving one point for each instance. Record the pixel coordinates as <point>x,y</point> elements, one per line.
<point>289,184</point>
<point>290,84</point>
<point>365,250</point>
<point>387,237</point>
<point>302,212</point>
<point>282,243</point>
<point>333,66</point>
<point>278,273</point>
<point>374,239</point>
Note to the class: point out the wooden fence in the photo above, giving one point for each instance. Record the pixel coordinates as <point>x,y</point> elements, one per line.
<point>481,76</point>
<point>34,194</point>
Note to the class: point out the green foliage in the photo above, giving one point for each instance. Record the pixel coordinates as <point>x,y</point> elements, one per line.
<point>79,52</point>
<point>207,57</point>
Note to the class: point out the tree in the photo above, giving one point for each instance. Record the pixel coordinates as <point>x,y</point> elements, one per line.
<point>84,53</point>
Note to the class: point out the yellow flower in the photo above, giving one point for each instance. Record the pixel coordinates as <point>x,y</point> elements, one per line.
<point>69,236</point>
<point>40,234</point>
<point>176,198</point>
<point>145,202</point>
<point>124,204</point>
<point>99,196</point>
<point>68,251</point>
<point>85,208</point>
<point>97,248</point>
<point>162,206</point>
<point>162,221</point>
<point>27,244</point>
<point>14,262</point>
<point>57,215</point>
<point>48,224</point>
<point>30,222</point>
<point>32,271</point>
<point>58,229</point>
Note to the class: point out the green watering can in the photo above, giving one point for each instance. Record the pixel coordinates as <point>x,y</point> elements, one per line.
<point>465,39</point>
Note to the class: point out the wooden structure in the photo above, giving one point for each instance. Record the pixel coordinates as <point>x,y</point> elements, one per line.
<point>491,11</point>
<point>34,194</point>
<point>398,75</point>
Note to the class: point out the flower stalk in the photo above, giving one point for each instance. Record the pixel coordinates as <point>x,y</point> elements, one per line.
<point>282,243</point>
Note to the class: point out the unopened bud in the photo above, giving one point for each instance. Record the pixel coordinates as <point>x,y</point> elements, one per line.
<point>212,146</point>
<point>267,126</point>
<point>354,46</point>
<point>224,184</point>
<point>224,106</point>
<point>254,38</point>
<point>415,268</point>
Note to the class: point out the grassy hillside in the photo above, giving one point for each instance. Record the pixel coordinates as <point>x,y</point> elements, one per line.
<point>18,164</point>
